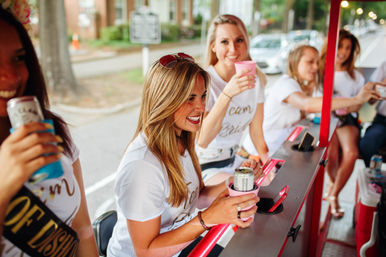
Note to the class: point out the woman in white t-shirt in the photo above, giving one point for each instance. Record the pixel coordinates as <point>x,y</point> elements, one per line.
<point>344,145</point>
<point>292,97</point>
<point>23,152</point>
<point>158,185</point>
<point>235,101</point>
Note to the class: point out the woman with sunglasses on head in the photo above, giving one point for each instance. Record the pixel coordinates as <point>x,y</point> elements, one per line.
<point>344,146</point>
<point>23,152</point>
<point>294,95</point>
<point>235,101</point>
<point>158,184</point>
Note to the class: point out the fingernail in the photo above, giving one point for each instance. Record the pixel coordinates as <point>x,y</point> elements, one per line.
<point>49,126</point>
<point>61,148</point>
<point>59,138</point>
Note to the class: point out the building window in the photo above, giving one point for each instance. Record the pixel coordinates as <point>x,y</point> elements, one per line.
<point>120,12</point>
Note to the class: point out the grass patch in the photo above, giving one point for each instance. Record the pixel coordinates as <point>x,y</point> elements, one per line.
<point>134,76</point>
<point>113,44</point>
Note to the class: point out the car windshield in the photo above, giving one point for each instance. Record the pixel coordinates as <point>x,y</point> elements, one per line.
<point>298,38</point>
<point>267,43</point>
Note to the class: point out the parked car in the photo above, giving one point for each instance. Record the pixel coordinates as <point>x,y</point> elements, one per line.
<point>270,52</point>
<point>311,37</point>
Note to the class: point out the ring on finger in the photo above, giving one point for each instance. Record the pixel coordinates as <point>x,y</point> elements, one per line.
<point>238,215</point>
<point>238,208</point>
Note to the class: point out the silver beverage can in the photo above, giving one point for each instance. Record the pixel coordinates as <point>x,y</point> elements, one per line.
<point>376,164</point>
<point>244,179</point>
<point>23,110</point>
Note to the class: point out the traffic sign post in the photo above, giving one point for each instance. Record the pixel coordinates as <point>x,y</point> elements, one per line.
<point>145,28</point>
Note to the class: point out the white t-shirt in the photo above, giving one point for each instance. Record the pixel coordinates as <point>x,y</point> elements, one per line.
<point>279,117</point>
<point>239,114</point>
<point>379,75</point>
<point>141,192</point>
<point>61,195</point>
<point>345,86</point>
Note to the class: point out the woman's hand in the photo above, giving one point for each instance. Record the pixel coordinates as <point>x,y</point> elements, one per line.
<point>239,83</point>
<point>224,209</point>
<point>255,166</point>
<point>368,92</point>
<point>21,154</point>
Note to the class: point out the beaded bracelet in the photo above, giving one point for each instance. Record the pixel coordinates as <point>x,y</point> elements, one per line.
<point>202,221</point>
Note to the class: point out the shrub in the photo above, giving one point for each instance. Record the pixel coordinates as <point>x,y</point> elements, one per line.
<point>170,32</point>
<point>125,32</point>
<point>111,33</point>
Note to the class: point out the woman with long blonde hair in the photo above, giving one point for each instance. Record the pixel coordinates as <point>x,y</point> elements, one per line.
<point>235,101</point>
<point>158,185</point>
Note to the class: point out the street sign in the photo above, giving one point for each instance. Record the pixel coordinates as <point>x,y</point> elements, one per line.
<point>145,27</point>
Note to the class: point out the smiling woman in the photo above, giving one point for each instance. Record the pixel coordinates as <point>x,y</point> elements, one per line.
<point>25,151</point>
<point>235,100</point>
<point>161,166</point>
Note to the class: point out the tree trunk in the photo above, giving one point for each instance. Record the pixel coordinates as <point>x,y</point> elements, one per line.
<point>288,6</point>
<point>310,14</point>
<point>55,56</point>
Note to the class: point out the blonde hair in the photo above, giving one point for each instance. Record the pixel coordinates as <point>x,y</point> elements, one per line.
<point>211,58</point>
<point>293,62</point>
<point>350,62</point>
<point>165,90</point>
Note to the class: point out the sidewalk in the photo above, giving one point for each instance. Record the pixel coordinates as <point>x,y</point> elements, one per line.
<point>88,64</point>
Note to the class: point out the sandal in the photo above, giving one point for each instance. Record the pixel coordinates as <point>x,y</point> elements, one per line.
<point>336,211</point>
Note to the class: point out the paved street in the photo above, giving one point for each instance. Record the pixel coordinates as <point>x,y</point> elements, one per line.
<point>102,137</point>
<point>128,61</point>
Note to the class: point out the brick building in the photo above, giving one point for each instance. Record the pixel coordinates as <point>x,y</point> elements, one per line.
<point>86,17</point>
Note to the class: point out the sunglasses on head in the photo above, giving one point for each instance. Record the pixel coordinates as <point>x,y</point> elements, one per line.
<point>169,61</point>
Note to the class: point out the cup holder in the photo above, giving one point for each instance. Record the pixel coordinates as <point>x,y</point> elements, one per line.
<point>302,148</point>
<point>265,204</point>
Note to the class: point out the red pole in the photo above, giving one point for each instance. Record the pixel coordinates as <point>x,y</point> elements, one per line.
<point>207,243</point>
<point>329,72</point>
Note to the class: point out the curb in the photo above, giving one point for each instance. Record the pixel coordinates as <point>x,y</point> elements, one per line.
<point>108,110</point>
<point>136,48</point>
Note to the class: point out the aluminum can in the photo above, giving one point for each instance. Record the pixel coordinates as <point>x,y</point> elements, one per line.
<point>26,109</point>
<point>376,164</point>
<point>244,179</point>
<point>23,110</point>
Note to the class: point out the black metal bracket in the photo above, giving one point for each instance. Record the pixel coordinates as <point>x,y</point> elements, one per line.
<point>294,232</point>
<point>323,162</point>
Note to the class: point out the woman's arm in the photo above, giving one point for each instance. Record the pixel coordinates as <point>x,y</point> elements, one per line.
<point>314,104</point>
<point>81,223</point>
<point>222,211</point>
<point>256,133</point>
<point>212,121</point>
<point>21,154</point>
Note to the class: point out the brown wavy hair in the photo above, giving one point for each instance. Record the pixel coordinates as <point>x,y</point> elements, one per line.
<point>165,90</point>
<point>350,62</point>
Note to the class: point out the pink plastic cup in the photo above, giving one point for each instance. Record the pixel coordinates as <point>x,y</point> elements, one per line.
<point>233,192</point>
<point>246,65</point>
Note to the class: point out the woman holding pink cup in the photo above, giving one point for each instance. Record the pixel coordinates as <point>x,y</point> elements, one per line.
<point>235,101</point>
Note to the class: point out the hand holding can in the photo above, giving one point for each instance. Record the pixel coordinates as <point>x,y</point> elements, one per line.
<point>26,109</point>
<point>244,183</point>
